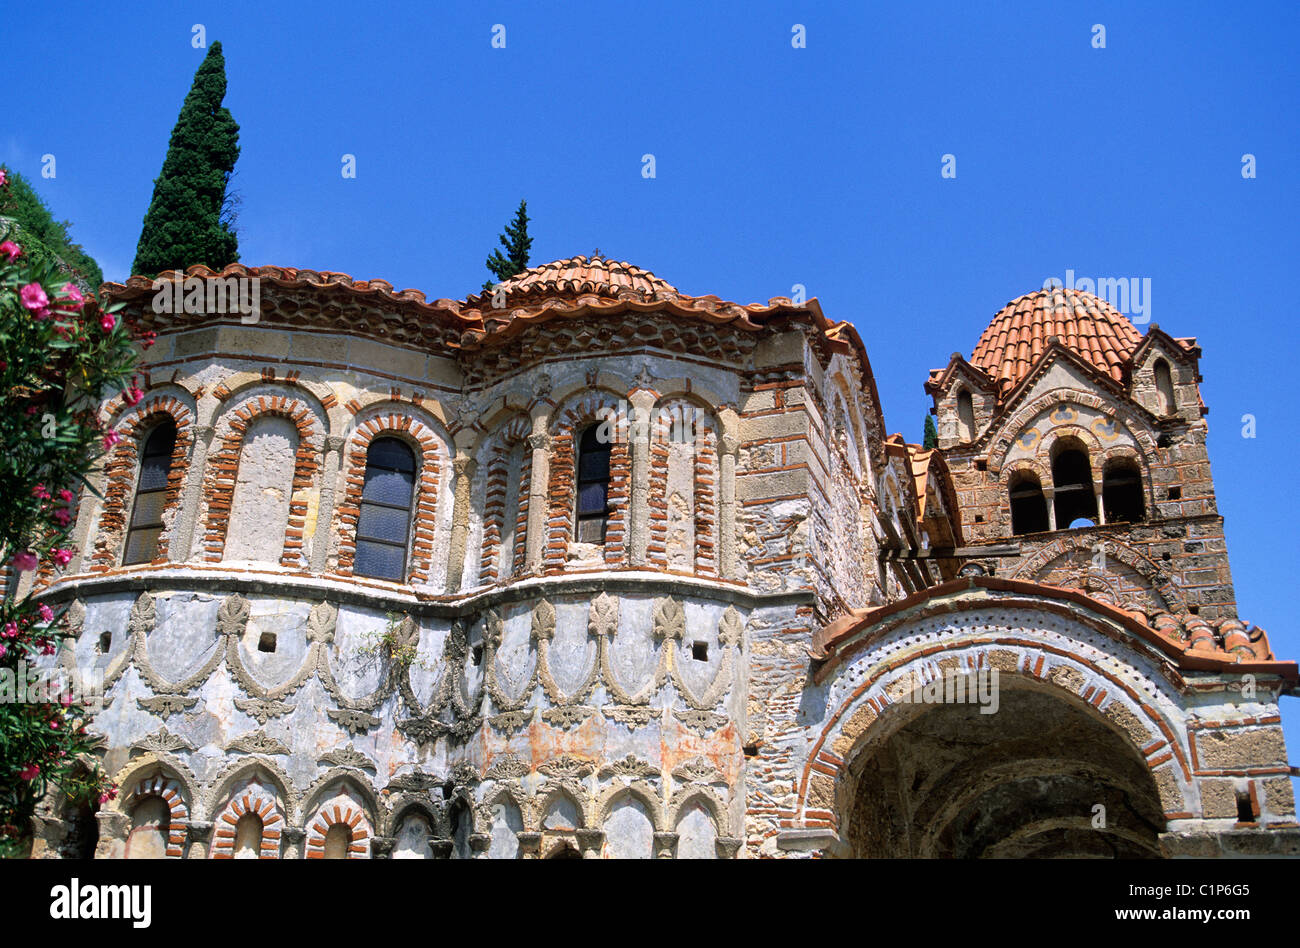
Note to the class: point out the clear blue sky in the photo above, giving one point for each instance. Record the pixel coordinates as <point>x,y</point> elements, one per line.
<point>775,166</point>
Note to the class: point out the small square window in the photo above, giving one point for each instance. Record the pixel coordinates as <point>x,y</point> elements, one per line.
<point>267,642</point>
<point>1175,493</point>
<point>981,465</point>
<point>476,655</point>
<point>105,642</point>
<point>700,651</point>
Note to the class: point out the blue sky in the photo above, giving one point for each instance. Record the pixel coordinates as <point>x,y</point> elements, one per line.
<point>774,166</point>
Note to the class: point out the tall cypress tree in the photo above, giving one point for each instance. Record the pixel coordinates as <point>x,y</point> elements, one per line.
<point>188,220</point>
<point>516,242</point>
<point>931,434</point>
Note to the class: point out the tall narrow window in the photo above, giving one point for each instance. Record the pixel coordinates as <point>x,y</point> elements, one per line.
<point>1028,507</point>
<point>1121,492</point>
<point>384,526</point>
<point>593,487</point>
<point>338,840</point>
<point>1164,387</point>
<point>146,516</point>
<point>150,827</point>
<point>1076,503</point>
<point>248,836</point>
<point>965,416</point>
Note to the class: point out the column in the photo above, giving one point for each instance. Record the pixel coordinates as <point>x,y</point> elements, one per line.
<point>463,472</point>
<point>320,540</point>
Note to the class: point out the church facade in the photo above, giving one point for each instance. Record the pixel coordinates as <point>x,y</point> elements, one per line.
<point>588,567</point>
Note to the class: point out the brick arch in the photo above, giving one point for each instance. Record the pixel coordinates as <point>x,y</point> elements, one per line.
<point>430,450</point>
<point>1000,445</point>
<point>223,469</point>
<point>169,790</point>
<point>1069,430</point>
<point>1121,552</point>
<point>577,412</point>
<point>1095,685</point>
<point>494,458</point>
<point>705,475</point>
<point>343,808</point>
<point>122,474</point>
<point>1033,465</point>
<point>254,797</point>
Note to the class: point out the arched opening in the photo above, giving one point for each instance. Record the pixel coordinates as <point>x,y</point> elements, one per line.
<point>1164,387</point>
<point>259,510</point>
<point>150,826</point>
<point>965,416</point>
<point>338,839</point>
<point>248,836</point>
<point>150,494</point>
<point>592,509</point>
<point>384,523</point>
<point>412,839</point>
<point>1121,492</point>
<point>1072,490</point>
<point>564,851</point>
<point>1044,777</point>
<point>462,827</point>
<point>1028,505</point>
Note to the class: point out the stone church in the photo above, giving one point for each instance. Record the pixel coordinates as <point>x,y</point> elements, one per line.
<point>587,567</point>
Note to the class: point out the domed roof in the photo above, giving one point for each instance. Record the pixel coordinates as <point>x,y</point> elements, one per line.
<point>581,276</point>
<point>1084,323</point>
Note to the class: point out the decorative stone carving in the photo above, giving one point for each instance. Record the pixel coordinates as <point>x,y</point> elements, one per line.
<point>258,742</point>
<point>567,716</point>
<point>551,687</point>
<point>701,721</point>
<point>669,619</point>
<point>321,623</point>
<point>261,710</point>
<point>166,705</point>
<point>631,715</point>
<point>232,616</point>
<point>162,740</point>
<point>413,782</point>
<point>354,722</point>
<point>507,766</point>
<point>697,770</point>
<point>566,766</point>
<point>348,757</point>
<point>629,766</point>
<point>511,720</point>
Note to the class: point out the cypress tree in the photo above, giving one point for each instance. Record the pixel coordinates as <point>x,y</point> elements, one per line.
<point>189,218</point>
<point>931,434</point>
<point>516,242</point>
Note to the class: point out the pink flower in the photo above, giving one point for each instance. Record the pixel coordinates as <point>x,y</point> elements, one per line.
<point>11,630</point>
<point>24,561</point>
<point>11,250</point>
<point>72,298</point>
<point>133,395</point>
<point>4,177</point>
<point>111,439</point>
<point>34,298</point>
<point>65,495</point>
<point>30,772</point>
<point>107,322</point>
<point>66,700</point>
<point>46,613</point>
<point>62,516</point>
<point>40,491</point>
<point>3,651</point>
<point>54,725</point>
<point>62,557</point>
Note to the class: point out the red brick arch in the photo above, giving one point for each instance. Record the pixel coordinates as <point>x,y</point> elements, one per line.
<point>223,470</point>
<point>501,443</point>
<point>257,799</point>
<point>169,790</point>
<point>561,484</point>
<point>122,469</point>
<point>429,449</point>
<point>339,811</point>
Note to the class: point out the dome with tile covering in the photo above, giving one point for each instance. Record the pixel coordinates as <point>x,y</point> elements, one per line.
<point>582,276</point>
<point>1086,324</point>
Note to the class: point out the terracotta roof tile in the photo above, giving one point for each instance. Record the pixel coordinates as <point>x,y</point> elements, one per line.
<point>1020,332</point>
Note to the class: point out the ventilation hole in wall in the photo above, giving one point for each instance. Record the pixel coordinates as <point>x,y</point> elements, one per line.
<point>477,655</point>
<point>267,642</point>
<point>446,790</point>
<point>1194,610</point>
<point>1175,493</point>
<point>981,465</point>
<point>105,641</point>
<point>751,750</point>
<point>700,651</point>
<point>979,518</point>
<point>1166,557</point>
<point>1245,812</point>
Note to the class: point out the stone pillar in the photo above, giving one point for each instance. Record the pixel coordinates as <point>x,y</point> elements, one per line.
<point>538,484</point>
<point>479,844</point>
<point>1101,505</point>
<point>589,842</point>
<point>324,532</point>
<point>463,473</point>
<point>113,827</point>
<point>184,527</point>
<point>48,833</point>
<point>381,847</point>
<point>294,842</point>
<point>728,846</point>
<point>530,845</point>
<point>442,848</point>
<point>665,846</point>
<point>639,433</point>
<point>1049,495</point>
<point>197,834</point>
<point>728,455</point>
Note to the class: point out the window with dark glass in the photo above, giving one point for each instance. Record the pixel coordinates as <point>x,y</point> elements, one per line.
<point>1121,492</point>
<point>1028,506</point>
<point>150,495</point>
<point>593,487</point>
<point>1076,502</point>
<point>384,526</point>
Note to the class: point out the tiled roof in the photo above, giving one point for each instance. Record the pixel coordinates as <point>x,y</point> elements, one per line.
<point>580,276</point>
<point>1084,323</point>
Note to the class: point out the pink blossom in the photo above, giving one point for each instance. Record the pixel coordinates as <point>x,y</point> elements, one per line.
<point>3,651</point>
<point>46,612</point>
<point>11,250</point>
<point>24,561</point>
<point>34,298</point>
<point>30,772</point>
<point>133,395</point>
<point>107,322</point>
<point>73,299</point>
<point>40,491</point>
<point>62,516</point>
<point>65,495</point>
<point>11,630</point>
<point>111,439</point>
<point>62,557</point>
<point>4,177</point>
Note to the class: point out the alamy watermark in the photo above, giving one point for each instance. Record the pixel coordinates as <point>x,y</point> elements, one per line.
<point>201,296</point>
<point>978,686</point>
<point>1129,295</point>
<point>34,684</point>
<point>624,423</point>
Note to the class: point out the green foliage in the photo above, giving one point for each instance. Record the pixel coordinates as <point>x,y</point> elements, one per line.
<point>189,219</point>
<point>44,239</point>
<point>60,356</point>
<point>931,434</point>
<point>516,242</point>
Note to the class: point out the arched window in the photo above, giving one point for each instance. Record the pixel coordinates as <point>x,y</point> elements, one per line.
<point>965,416</point>
<point>150,826</point>
<point>592,513</point>
<point>248,836</point>
<point>1121,492</point>
<point>384,525</point>
<point>1075,501</point>
<point>150,494</point>
<point>337,841</point>
<point>1028,506</point>
<point>1164,387</point>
